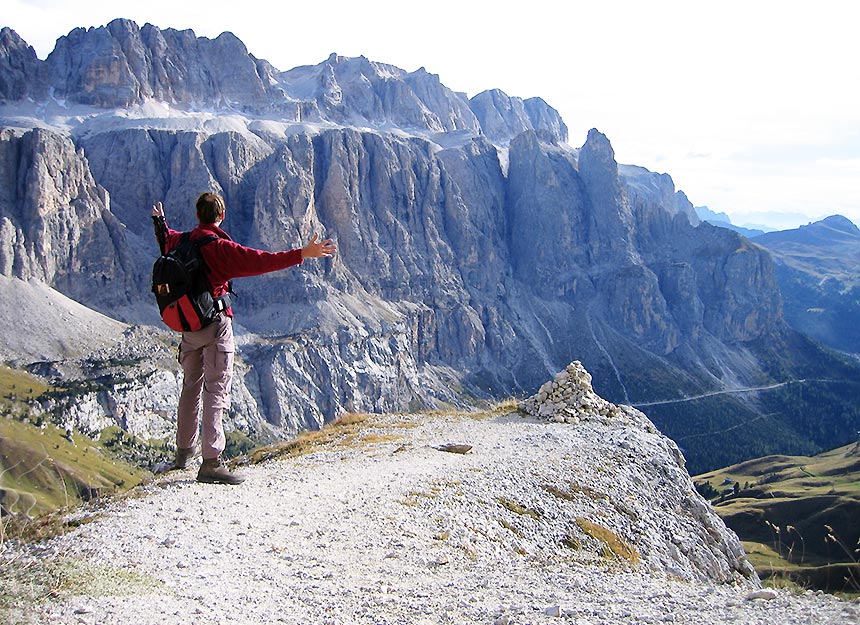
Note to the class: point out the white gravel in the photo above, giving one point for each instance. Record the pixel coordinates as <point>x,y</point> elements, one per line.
<point>393,531</point>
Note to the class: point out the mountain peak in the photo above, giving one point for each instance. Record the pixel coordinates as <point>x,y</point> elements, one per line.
<point>596,141</point>
<point>841,223</point>
<point>597,158</point>
<point>22,74</point>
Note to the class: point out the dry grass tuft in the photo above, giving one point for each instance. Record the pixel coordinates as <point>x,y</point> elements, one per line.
<point>348,431</point>
<point>613,546</point>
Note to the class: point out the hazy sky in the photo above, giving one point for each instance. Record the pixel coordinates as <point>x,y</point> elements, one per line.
<point>753,106</point>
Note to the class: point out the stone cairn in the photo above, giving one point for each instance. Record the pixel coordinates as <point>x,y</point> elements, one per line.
<point>569,398</point>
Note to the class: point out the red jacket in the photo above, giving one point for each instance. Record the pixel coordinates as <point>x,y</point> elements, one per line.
<point>225,259</point>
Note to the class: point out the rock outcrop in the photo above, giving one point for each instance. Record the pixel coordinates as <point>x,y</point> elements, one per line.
<point>22,75</point>
<point>502,117</point>
<point>691,541</point>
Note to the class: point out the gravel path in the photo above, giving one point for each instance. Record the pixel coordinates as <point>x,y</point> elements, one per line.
<point>387,530</point>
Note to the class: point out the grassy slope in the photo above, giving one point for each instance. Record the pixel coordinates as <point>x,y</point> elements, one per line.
<point>796,514</point>
<point>41,469</point>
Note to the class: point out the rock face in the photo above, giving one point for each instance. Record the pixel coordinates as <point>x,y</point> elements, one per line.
<point>121,64</point>
<point>22,75</point>
<point>692,542</point>
<point>56,225</point>
<point>502,118</point>
<point>477,252</point>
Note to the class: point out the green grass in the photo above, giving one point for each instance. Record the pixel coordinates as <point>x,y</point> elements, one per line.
<point>41,470</point>
<point>20,384</point>
<point>834,472</point>
<point>797,515</point>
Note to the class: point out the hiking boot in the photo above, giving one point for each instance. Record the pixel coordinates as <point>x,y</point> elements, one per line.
<point>184,456</point>
<point>214,471</point>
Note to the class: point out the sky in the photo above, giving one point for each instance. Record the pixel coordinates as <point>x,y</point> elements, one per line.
<point>753,106</point>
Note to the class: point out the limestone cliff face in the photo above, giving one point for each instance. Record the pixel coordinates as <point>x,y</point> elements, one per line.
<point>502,117</point>
<point>445,264</point>
<point>22,75</point>
<point>56,225</point>
<point>347,91</point>
<point>121,64</point>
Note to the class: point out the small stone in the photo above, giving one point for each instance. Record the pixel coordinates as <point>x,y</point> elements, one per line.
<point>553,610</point>
<point>504,619</point>
<point>766,594</point>
<point>454,448</point>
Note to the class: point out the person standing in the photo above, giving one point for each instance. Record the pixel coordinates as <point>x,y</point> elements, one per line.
<point>206,355</point>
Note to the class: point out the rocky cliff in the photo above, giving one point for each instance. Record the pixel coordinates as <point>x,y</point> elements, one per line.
<point>478,251</point>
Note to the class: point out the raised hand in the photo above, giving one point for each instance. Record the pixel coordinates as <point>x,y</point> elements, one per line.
<point>318,249</point>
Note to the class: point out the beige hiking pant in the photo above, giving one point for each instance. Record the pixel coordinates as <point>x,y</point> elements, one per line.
<point>206,357</point>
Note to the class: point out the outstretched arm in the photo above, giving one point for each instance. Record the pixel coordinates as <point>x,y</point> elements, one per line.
<point>318,249</point>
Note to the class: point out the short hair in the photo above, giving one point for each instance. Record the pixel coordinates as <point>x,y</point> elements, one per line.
<point>210,208</point>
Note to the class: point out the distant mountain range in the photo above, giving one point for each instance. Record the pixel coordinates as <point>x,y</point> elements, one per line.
<point>724,221</point>
<point>816,266</point>
<point>479,252</point>
<point>818,270</point>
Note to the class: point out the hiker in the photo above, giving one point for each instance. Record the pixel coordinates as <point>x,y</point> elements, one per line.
<point>206,355</point>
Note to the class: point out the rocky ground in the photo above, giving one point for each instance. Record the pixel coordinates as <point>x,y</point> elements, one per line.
<point>375,524</point>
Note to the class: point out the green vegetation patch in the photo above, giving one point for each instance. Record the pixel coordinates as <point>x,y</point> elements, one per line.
<point>87,578</point>
<point>20,385</point>
<point>42,469</point>
<point>796,514</point>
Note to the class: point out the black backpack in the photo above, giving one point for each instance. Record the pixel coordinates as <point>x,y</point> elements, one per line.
<point>180,288</point>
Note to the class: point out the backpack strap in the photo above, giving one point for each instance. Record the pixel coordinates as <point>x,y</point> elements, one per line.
<point>222,302</point>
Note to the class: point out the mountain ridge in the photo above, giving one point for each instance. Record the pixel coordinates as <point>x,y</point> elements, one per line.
<point>816,264</point>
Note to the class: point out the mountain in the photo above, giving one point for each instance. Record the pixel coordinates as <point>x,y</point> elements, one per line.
<point>816,267</point>
<point>724,221</point>
<point>477,251</point>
